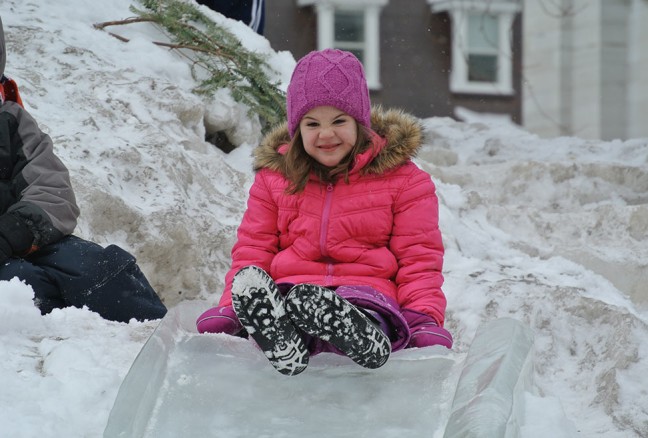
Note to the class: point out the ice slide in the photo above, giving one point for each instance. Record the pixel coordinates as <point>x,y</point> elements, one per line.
<point>186,384</point>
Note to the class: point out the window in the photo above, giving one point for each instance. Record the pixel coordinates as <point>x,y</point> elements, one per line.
<point>349,32</point>
<point>482,59</point>
<point>352,25</point>
<point>482,48</point>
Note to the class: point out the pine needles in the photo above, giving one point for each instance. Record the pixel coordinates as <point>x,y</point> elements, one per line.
<point>218,59</point>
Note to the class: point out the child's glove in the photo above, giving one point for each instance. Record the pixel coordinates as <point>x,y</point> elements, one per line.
<point>219,320</point>
<point>425,331</point>
<point>15,237</point>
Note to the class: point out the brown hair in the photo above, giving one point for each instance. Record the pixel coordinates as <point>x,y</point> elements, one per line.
<point>299,164</point>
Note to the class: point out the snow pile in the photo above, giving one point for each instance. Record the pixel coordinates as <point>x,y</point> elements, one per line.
<point>551,232</point>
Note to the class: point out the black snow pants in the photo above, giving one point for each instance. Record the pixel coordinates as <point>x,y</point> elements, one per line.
<point>76,272</point>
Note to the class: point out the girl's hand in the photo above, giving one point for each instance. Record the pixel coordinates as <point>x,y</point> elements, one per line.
<point>425,331</point>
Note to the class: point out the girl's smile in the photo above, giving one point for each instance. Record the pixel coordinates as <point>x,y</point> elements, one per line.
<point>328,134</point>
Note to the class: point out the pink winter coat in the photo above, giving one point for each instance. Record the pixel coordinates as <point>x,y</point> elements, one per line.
<point>381,229</point>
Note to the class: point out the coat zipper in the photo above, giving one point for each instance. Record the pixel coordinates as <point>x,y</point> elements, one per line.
<point>326,212</point>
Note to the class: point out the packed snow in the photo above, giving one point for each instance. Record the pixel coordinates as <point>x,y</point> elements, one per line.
<point>551,232</point>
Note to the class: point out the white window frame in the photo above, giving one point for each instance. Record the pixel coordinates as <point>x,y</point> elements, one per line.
<point>504,11</point>
<point>371,9</point>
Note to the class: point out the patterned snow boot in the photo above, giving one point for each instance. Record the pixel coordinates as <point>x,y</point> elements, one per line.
<point>260,308</point>
<point>322,313</point>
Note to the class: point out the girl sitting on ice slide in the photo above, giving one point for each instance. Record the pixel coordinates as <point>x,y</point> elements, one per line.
<point>339,249</point>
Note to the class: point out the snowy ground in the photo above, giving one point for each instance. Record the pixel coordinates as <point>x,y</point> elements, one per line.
<point>552,232</point>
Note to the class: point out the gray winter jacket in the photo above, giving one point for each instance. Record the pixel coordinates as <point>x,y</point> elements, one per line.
<point>37,203</point>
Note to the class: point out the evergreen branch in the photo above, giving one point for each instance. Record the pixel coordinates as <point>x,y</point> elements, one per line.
<point>105,24</point>
<point>215,51</point>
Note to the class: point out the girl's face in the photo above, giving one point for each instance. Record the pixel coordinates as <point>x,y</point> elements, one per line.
<point>328,134</point>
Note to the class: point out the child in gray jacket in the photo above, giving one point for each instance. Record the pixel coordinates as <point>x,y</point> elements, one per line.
<point>38,214</point>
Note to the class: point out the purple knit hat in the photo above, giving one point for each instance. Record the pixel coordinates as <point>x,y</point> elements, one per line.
<point>328,77</point>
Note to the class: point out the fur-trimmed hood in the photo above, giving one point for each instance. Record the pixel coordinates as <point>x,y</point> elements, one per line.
<point>402,133</point>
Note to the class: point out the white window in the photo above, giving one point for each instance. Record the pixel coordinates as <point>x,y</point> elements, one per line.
<point>482,48</point>
<point>349,33</point>
<point>352,25</point>
<point>482,57</point>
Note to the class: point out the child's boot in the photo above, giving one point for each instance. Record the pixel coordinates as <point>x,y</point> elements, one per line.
<point>322,313</point>
<point>260,308</point>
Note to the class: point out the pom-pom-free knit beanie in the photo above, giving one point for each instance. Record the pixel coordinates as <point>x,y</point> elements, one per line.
<point>328,77</point>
